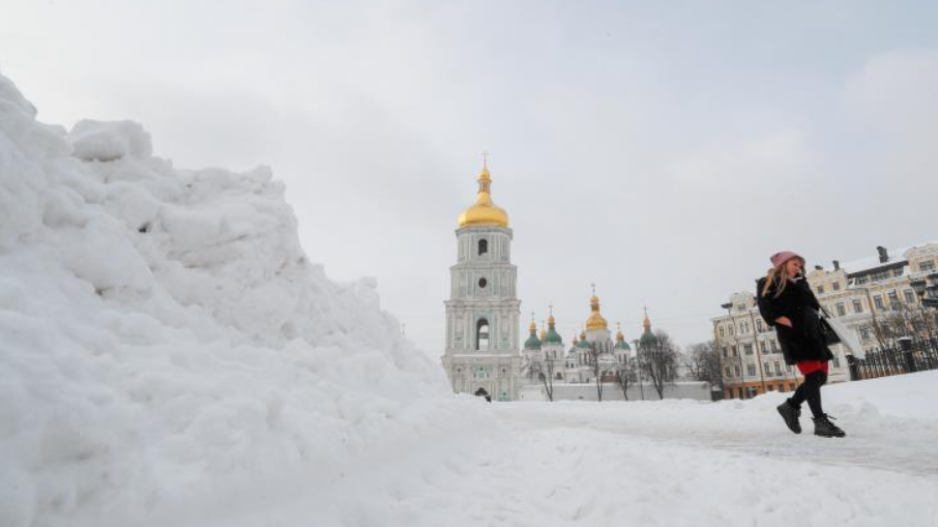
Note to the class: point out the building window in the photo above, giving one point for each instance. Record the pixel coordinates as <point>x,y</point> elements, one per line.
<point>482,283</point>
<point>728,372</point>
<point>751,370</point>
<point>926,266</point>
<point>836,361</point>
<point>820,289</point>
<point>721,330</point>
<point>878,302</point>
<point>736,369</point>
<point>778,368</point>
<point>836,286</point>
<point>860,280</point>
<point>898,272</point>
<point>759,326</point>
<point>894,299</point>
<point>730,328</point>
<point>909,296</point>
<point>865,333</point>
<point>483,246</point>
<point>482,335</point>
<point>748,348</point>
<point>857,306</point>
<point>841,309</point>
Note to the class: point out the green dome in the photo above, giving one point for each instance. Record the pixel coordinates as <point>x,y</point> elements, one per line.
<point>583,344</point>
<point>623,345</point>
<point>648,339</point>
<point>533,343</point>
<point>553,337</point>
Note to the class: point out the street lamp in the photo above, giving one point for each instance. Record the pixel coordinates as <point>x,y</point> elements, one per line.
<point>928,293</point>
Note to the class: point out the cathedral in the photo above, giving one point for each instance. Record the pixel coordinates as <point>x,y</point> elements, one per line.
<point>483,356</point>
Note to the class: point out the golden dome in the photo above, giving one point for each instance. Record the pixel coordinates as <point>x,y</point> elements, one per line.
<point>484,212</point>
<point>596,321</point>
<point>532,327</point>
<point>619,334</point>
<point>647,322</point>
<point>543,334</point>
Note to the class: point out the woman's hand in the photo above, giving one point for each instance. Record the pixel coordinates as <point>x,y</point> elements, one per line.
<point>783,321</point>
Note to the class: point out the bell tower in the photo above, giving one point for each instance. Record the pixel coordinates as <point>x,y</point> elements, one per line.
<point>482,355</point>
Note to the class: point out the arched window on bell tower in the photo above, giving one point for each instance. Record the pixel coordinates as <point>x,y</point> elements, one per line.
<point>483,246</point>
<point>482,335</point>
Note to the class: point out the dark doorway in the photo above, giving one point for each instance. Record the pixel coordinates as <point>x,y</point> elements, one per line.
<point>482,393</point>
<point>482,335</point>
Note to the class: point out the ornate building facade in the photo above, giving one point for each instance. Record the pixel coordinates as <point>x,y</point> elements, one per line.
<point>482,355</point>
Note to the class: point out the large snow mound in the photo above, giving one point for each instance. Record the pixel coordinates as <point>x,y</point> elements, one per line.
<point>167,348</point>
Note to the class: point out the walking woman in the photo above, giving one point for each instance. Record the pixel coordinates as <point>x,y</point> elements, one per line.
<point>787,303</point>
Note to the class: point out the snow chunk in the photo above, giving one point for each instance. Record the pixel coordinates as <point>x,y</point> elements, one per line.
<point>109,140</point>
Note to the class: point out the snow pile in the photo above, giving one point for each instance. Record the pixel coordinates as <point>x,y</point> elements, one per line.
<point>167,351</point>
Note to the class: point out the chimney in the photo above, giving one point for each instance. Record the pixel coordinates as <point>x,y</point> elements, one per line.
<point>837,265</point>
<point>818,267</point>
<point>883,255</point>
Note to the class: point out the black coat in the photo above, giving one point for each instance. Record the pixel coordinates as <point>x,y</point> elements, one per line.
<point>802,341</point>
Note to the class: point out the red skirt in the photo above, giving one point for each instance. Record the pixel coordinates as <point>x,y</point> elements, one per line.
<point>807,367</point>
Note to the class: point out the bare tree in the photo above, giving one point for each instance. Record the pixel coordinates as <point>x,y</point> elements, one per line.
<point>597,368</point>
<point>703,361</point>
<point>625,375</point>
<point>544,372</point>
<point>659,361</point>
<point>914,322</point>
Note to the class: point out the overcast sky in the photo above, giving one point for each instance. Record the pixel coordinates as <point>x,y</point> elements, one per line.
<point>662,150</point>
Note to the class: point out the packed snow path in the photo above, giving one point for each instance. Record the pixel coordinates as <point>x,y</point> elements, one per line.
<point>667,463</point>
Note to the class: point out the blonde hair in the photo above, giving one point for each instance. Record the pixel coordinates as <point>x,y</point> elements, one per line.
<point>778,276</point>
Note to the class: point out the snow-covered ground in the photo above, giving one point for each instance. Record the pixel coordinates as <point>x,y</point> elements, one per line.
<point>669,463</point>
<point>169,356</point>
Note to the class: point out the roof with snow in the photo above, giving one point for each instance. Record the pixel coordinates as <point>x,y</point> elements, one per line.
<point>897,257</point>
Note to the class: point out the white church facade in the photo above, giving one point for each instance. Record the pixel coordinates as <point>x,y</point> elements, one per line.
<point>483,312</point>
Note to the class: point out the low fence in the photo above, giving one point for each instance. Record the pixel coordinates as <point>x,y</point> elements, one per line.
<point>907,357</point>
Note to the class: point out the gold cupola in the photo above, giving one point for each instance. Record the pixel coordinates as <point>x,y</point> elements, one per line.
<point>484,211</point>
<point>596,320</point>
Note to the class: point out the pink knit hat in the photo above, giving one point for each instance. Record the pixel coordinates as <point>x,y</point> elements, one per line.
<point>782,257</point>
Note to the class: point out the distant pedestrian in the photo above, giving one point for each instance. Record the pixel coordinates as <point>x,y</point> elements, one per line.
<point>787,303</point>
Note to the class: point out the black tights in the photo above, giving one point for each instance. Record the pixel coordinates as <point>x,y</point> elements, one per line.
<point>810,390</point>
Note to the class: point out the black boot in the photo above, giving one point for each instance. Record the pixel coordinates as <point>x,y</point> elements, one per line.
<point>790,414</point>
<point>825,428</point>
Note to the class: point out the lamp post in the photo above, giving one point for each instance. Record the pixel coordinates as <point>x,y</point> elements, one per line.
<point>926,288</point>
